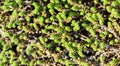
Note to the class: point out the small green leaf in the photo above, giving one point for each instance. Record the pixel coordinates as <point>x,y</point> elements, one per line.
<point>41,20</point>
<point>36,5</point>
<point>81,54</point>
<point>15,63</point>
<point>89,40</point>
<point>26,29</point>
<point>49,46</point>
<point>59,17</point>
<point>102,58</point>
<point>110,24</point>
<point>84,24</point>
<point>102,45</point>
<point>115,3</point>
<point>21,14</point>
<point>31,63</point>
<point>73,55</point>
<point>96,1</point>
<point>109,8</point>
<point>6,47</point>
<point>5,8</point>
<point>57,40</point>
<point>68,62</point>
<point>52,18</point>
<point>101,19</point>
<point>27,19</point>
<point>50,5</point>
<point>116,40</point>
<point>74,44</point>
<point>68,28</point>
<point>75,8</point>
<point>20,2</point>
<point>51,27</point>
<point>52,11</point>
<point>93,9</point>
<point>59,30</point>
<point>44,31</point>
<point>2,64</point>
<point>47,20</point>
<point>42,40</point>
<point>36,27</point>
<point>58,49</point>
<point>58,7</point>
<point>71,2</point>
<point>111,42</point>
<point>84,64</point>
<point>64,14</point>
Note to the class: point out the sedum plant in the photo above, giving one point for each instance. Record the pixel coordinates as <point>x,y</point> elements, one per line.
<point>59,32</point>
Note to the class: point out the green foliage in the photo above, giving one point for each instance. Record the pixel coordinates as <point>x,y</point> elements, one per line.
<point>15,63</point>
<point>42,40</point>
<point>115,13</point>
<point>89,40</point>
<point>36,27</point>
<point>89,18</point>
<point>102,58</point>
<point>71,2</point>
<point>41,20</point>
<point>102,45</point>
<point>73,55</point>
<point>115,3</point>
<point>28,19</point>
<point>67,32</point>
<point>101,19</point>
<point>81,54</point>
<point>36,5</point>
<point>19,2</point>
<point>68,62</point>
<point>68,28</point>
<point>114,62</point>
<point>109,8</point>
<point>93,9</point>
<point>50,5</point>
<point>2,64</point>
<point>5,7</point>
<point>31,63</point>
<point>85,64</point>
<point>75,8</point>
<point>6,47</point>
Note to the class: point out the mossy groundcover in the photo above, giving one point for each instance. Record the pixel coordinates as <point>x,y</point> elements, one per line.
<point>59,32</point>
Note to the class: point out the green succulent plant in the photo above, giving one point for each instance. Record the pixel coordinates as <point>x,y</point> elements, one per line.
<point>96,1</point>
<point>109,8</point>
<point>32,63</point>
<point>42,39</point>
<point>15,63</point>
<point>73,55</point>
<point>48,32</point>
<point>19,2</point>
<point>5,8</point>
<point>81,54</point>
<point>102,45</point>
<point>41,20</point>
<point>85,64</point>
<point>58,49</point>
<point>75,8</point>
<point>93,9</point>
<point>68,62</point>
<point>36,27</point>
<point>2,64</point>
<point>102,58</point>
<point>50,5</point>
